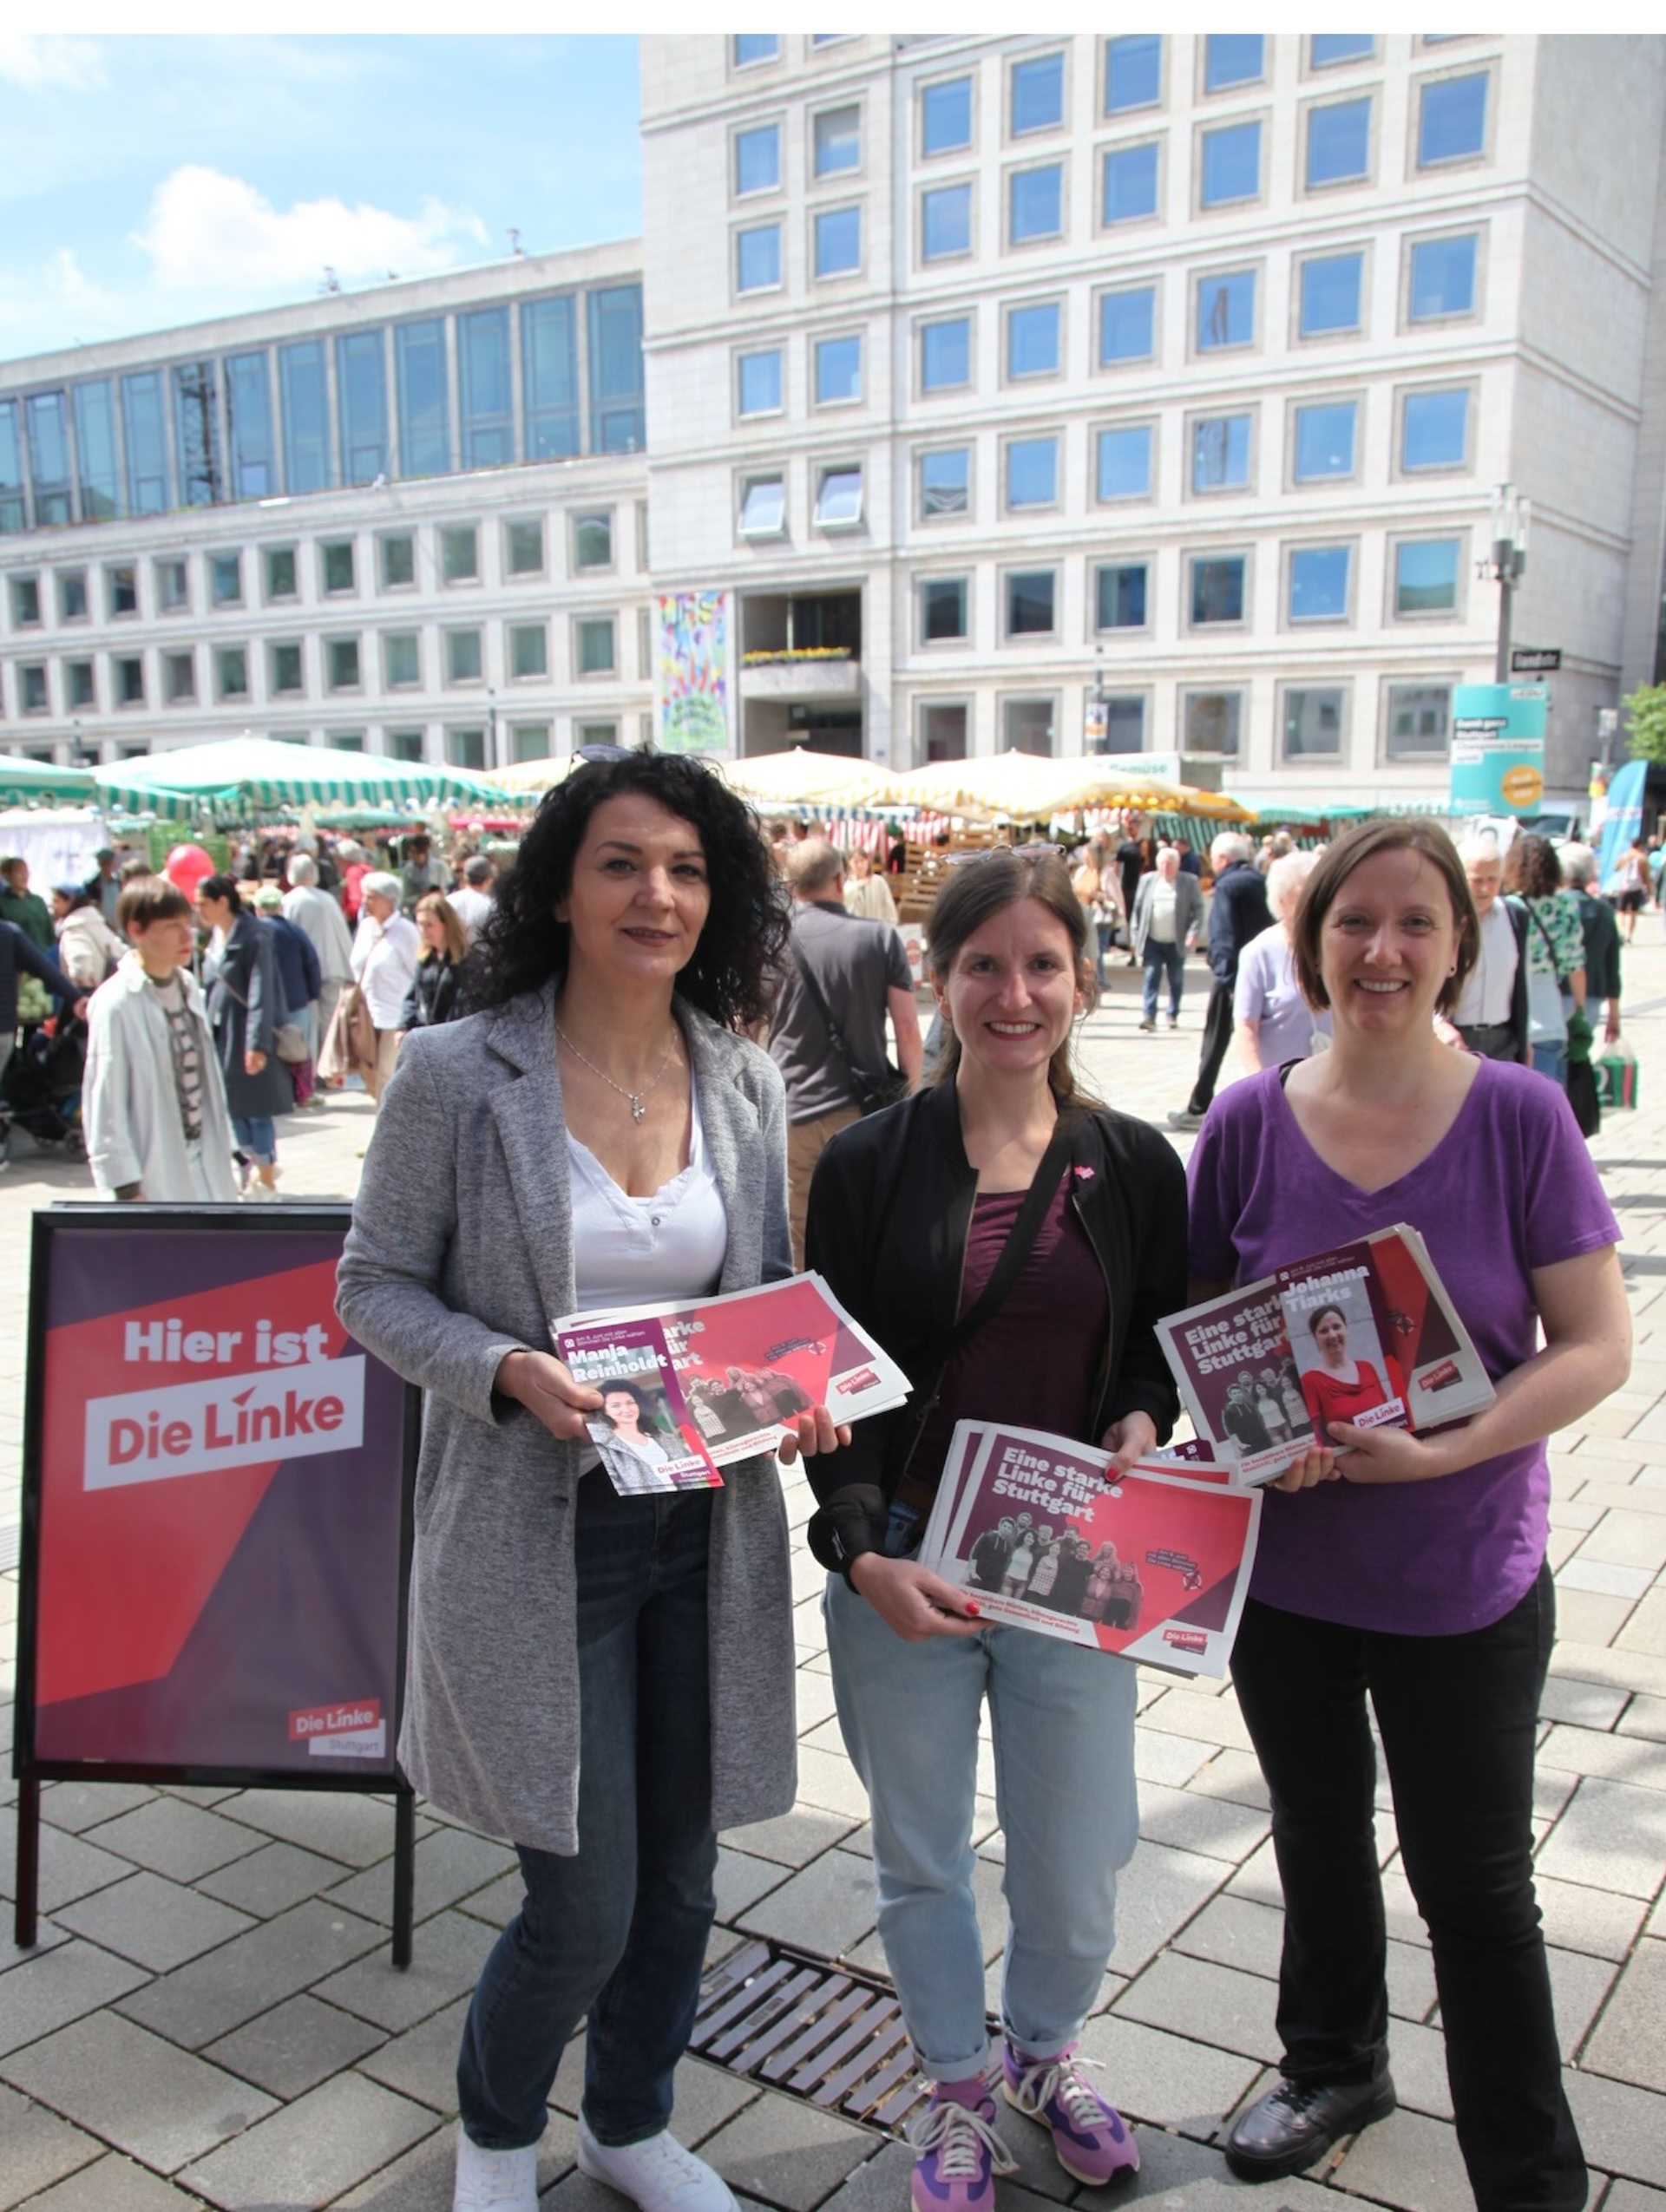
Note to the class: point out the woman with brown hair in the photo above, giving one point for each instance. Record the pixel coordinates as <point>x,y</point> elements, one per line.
<point>433,996</point>
<point>1556,952</point>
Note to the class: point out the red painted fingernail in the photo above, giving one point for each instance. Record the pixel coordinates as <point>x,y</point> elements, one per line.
<point>972,1610</point>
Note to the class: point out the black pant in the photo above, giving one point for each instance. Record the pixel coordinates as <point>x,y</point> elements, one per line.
<point>1457,1716</point>
<point>1217,1035</point>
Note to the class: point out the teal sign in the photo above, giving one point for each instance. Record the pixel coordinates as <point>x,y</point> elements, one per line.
<point>1498,748</point>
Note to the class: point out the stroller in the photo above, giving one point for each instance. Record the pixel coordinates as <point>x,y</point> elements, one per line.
<point>40,1090</point>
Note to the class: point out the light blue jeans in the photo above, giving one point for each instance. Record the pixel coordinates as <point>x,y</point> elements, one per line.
<point>1063,1724</point>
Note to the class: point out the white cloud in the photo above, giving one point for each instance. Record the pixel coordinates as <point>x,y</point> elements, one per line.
<point>35,64</point>
<point>209,232</point>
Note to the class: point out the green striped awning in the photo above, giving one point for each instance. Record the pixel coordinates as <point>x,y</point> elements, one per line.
<point>252,775</point>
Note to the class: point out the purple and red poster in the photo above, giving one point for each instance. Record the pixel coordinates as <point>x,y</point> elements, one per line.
<point>218,1475</point>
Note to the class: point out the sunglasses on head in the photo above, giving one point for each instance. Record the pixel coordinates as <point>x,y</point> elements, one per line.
<point>1037,850</point>
<point>595,756</point>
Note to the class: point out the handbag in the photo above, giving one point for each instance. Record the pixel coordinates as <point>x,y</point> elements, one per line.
<point>1546,1022</point>
<point>873,1091</point>
<point>1582,1097</point>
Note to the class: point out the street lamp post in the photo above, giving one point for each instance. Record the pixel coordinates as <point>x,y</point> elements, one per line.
<point>1505,565</point>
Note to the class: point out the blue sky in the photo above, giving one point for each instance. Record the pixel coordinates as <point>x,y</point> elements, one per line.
<point>148,181</point>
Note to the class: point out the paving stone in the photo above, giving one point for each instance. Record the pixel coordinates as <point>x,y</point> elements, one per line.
<point>793,1839</point>
<point>498,1903</point>
<point>358,1831</point>
<point>1408,2160</point>
<point>156,1923</point>
<point>1646,1629</point>
<point>421,2180</point>
<point>48,1936</point>
<point>1645,1717</point>
<point>1612,1837</point>
<point>1216,1827</point>
<point>1589,1618</point>
<point>1157,1892</point>
<point>787,2153</point>
<point>58,1985</point>
<point>113,2185</point>
<point>826,1908</point>
<point>1579,1984</point>
<point>1210,2003</point>
<point>1177,2175</point>
<point>881,2184</point>
<point>446,1960</point>
<point>813,1698</point>
<point>449,1863</point>
<point>69,1867</point>
<point>177,1840</point>
<point>1601,1577</point>
<point>1627,1540</point>
<point>1164,2079</point>
<point>422,2061</point>
<point>741,1880</point>
<point>1172,1760</point>
<point>1618,1668</point>
<point>295,2046</point>
<point>311,2151</point>
<point>830,1784</point>
<point>1212,1720</point>
<point>1615,1758</point>
<point>706,2097</point>
<point>1236,1932</point>
<point>1623,2129</point>
<point>1630,2040</point>
<point>271,1880</point>
<point>1234,1775</point>
<point>1630,2196</point>
<point>199,2002</point>
<point>1258,1878</point>
<point>77,1805</point>
<point>1580,1918</point>
<point>145,2096</point>
<point>37,2149</point>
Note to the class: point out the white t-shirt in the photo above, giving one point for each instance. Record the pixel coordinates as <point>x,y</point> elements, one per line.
<point>1490,985</point>
<point>471,908</point>
<point>1164,900</point>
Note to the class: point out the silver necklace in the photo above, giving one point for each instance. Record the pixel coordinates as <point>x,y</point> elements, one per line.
<point>638,1098</point>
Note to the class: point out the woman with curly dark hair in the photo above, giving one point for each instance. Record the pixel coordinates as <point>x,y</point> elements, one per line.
<point>1556,952</point>
<point>604,1679</point>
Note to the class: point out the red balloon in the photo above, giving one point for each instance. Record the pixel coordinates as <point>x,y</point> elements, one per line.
<point>185,866</point>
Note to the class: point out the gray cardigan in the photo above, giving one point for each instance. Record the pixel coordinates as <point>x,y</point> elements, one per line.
<point>461,1250</point>
<point>1188,910</point>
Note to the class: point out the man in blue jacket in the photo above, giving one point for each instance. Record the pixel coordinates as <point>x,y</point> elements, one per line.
<point>1239,913</point>
<point>299,970</point>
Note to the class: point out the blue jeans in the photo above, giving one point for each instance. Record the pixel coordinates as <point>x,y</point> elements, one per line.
<point>257,1137</point>
<point>1551,1060</point>
<point>616,1936</point>
<point>1063,1724</point>
<point>1160,960</point>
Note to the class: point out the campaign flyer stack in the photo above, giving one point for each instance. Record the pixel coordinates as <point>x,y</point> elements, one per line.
<point>688,1390</point>
<point>1152,1564</point>
<point>1363,1333</point>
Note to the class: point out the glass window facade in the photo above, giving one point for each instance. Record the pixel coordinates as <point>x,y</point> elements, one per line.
<point>838,499</point>
<point>280,573</point>
<point>618,423</point>
<point>835,140</point>
<point>1435,430</point>
<point>172,587</point>
<point>1035,340</point>
<point>1128,325</point>
<point>549,378</point>
<point>251,455</point>
<point>1119,595</point>
<point>763,508</point>
<point>1425,576</point>
<point>1442,278</point>
<point>1128,183</point>
<point>232,672</point>
<point>946,354</point>
<point>1134,73</point>
<point>398,557</point>
<point>1326,439</point>
<point>49,458</point>
<point>1035,205</point>
<point>594,649</point>
<point>1032,473</point>
<point>945,222</point>
<point>943,609</point>
<point>304,393</point>
<point>1038,93</point>
<point>1218,594</point>
<point>401,662</point>
<point>758,258</point>
<point>460,554</point>
<point>942,731</point>
<point>1210,721</point>
<point>341,662</point>
<point>528,650</point>
<point>1234,58</point>
<point>485,388</point>
<point>72,595</point>
<point>1331,287</point>
<point>336,561</point>
<point>946,116</point>
<point>1123,463</point>
<point>1312,723</point>
<point>1319,583</point>
<point>945,482</point>
<point>1451,119</point>
<point>225,579</point>
<point>1419,721</point>
<point>837,232</point>
<point>196,433</point>
<point>13,519</point>
<point>758,159</point>
<point>1220,453</point>
<point>82,686</point>
<point>592,540</point>
<point>758,382</point>
<point>1326,50</point>
<point>1231,168</point>
<point>1026,725</point>
<point>838,369</point>
<point>751,47</point>
<point>94,410</point>
<point>1338,143</point>
<point>425,400</point>
<point>284,669</point>
<point>464,661</point>
<point>524,548</point>
<point>1030,595</point>
<point>1125,724</point>
<point>1226,310</point>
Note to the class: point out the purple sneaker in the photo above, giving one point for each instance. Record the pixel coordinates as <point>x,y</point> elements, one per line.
<point>958,2151</point>
<point>1089,2137</point>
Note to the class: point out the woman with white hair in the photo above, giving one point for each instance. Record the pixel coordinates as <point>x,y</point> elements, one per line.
<point>385,952</point>
<point>1491,1016</point>
<point>1272,1022</point>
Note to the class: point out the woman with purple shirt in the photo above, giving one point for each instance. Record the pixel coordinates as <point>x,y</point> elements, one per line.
<point>1413,1568</point>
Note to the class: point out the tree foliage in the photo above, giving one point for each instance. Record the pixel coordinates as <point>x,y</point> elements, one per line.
<point>1645,712</point>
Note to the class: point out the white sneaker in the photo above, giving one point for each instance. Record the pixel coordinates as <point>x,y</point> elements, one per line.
<point>494,2180</point>
<point>658,2175</point>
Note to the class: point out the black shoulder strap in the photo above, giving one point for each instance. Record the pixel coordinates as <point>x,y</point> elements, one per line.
<point>1026,1226</point>
<point>818,999</point>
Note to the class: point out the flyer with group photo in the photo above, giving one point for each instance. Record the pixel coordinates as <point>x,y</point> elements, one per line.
<point>732,1371</point>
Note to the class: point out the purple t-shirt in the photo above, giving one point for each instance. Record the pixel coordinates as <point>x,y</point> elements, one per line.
<point>1509,1187</point>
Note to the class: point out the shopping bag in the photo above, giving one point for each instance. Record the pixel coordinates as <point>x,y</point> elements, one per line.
<point>1616,1075</point>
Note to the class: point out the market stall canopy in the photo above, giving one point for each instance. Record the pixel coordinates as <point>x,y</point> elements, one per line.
<point>803,778</point>
<point>248,775</point>
<point>531,779</point>
<point>1033,787</point>
<point>23,781</point>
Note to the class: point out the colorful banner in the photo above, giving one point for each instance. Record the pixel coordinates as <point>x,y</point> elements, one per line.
<point>218,1475</point>
<point>1624,820</point>
<point>1498,748</point>
<point>693,687</point>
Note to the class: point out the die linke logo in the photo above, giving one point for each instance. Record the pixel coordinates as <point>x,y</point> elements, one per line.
<point>353,1730</point>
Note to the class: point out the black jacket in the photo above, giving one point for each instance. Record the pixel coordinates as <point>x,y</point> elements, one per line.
<point>1239,911</point>
<point>890,1212</point>
<point>433,994</point>
<point>16,952</point>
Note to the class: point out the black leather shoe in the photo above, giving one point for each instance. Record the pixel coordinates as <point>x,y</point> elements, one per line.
<point>1298,2123</point>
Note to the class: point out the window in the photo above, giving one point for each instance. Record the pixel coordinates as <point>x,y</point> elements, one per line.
<point>82,690</point>
<point>945,222</point>
<point>225,579</point>
<point>130,682</point>
<point>95,451</point>
<point>1319,581</point>
<point>1032,473</point>
<point>1129,187</point>
<point>424,409</point>
<point>341,663</point>
<point>1218,588</point>
<point>72,595</point>
<point>596,733</point>
<point>362,386</point>
<point>1127,325</point>
<point>179,678</point>
<point>464,660</point>
<point>751,47</point>
<point>594,652</point>
<point>1326,51</point>
<point>1425,576</point>
<point>946,354</point>
<point>1031,594</point>
<point>460,554</point>
<point>758,382</point>
<point>642,560</point>
<point>1338,143</point>
<point>1034,340</point>
<point>758,159</point>
<point>549,378</point>
<point>946,117</point>
<point>48,451</point>
<point>1119,595</point>
<point>1120,716</point>
<point>838,500</point>
<point>286,669</point>
<point>528,650</point>
<point>1312,720</point>
<point>399,558</point>
<point>1037,94</point>
<point>1035,204</point>
<point>528,741</point>
<point>758,258</point>
<point>25,603</point>
<point>1451,119</point>
<point>12,512</point>
<point>838,370</point>
<point>1123,463</point>
<point>231,672</point>
<point>945,482</point>
<point>32,687</point>
<point>337,560</point>
<point>943,609</point>
<point>1210,723</point>
<point>618,422</point>
<point>149,479</point>
<point>1133,74</point>
<point>1220,453</point>
<point>345,740</point>
<point>485,387</point>
<point>173,587</point>
<point>763,506</point>
<point>1331,287</point>
<point>1325,440</point>
<point>942,731</point>
<point>1419,720</point>
<point>836,141</point>
<point>592,539</point>
<point>524,548</point>
<point>401,660</point>
<point>304,395</point>
<point>1442,281</point>
<point>1435,430</point>
<point>405,745</point>
<point>1231,165</point>
<point>1234,59</point>
<point>121,590</point>
<point>466,749</point>
<point>1226,311</point>
<point>1027,725</point>
<point>280,573</point>
<point>838,241</point>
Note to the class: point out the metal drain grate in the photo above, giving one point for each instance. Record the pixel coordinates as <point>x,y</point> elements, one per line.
<point>828,2034</point>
